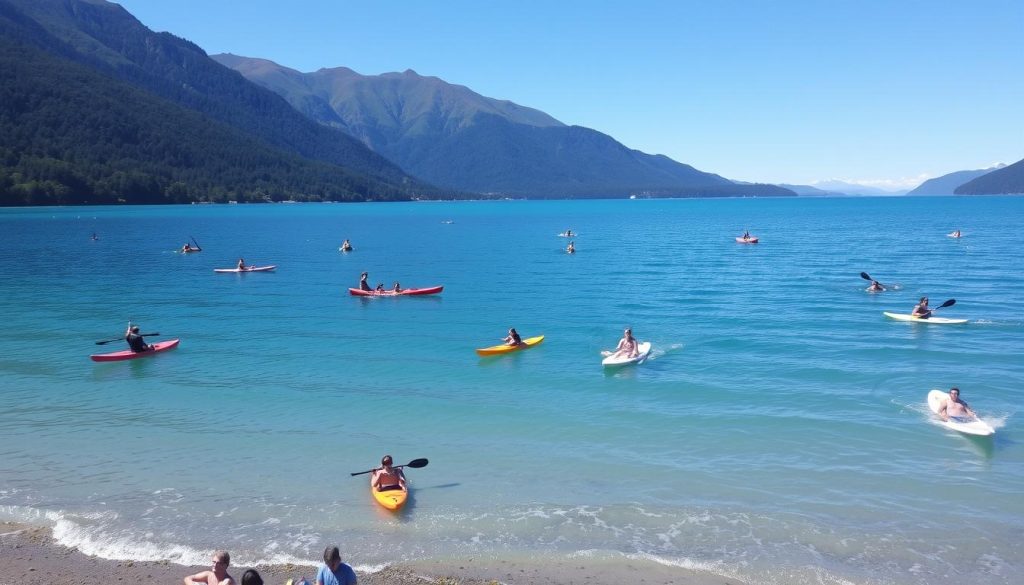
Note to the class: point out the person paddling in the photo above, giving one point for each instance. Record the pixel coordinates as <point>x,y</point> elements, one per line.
<point>388,477</point>
<point>135,341</point>
<point>188,248</point>
<point>346,246</point>
<point>363,285</point>
<point>876,287</point>
<point>513,337</point>
<point>241,264</point>
<point>954,408</point>
<point>571,248</point>
<point>921,310</point>
<point>627,347</point>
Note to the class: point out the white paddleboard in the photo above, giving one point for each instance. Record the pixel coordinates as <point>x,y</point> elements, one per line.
<point>974,426</point>
<point>644,350</point>
<point>935,320</point>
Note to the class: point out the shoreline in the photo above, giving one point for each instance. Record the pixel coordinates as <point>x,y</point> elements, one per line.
<point>29,555</point>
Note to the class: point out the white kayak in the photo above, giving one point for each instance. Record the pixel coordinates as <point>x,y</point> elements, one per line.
<point>935,320</point>
<point>970,426</point>
<point>247,269</point>
<point>644,350</point>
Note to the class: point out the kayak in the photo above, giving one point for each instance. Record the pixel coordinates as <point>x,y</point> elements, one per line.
<point>247,269</point>
<point>953,235</point>
<point>644,350</point>
<point>568,235</point>
<point>120,356</point>
<point>935,320</point>
<point>742,240</point>
<point>390,499</point>
<point>970,426</point>
<point>504,348</point>
<point>433,290</point>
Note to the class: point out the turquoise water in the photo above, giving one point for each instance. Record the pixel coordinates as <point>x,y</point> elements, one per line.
<point>779,434</point>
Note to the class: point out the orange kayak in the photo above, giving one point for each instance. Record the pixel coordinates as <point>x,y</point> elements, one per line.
<point>390,499</point>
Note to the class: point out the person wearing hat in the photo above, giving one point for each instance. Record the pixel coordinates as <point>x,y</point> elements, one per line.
<point>135,341</point>
<point>387,477</point>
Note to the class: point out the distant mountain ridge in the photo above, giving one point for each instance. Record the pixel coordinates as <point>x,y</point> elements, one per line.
<point>453,137</point>
<point>1008,180</point>
<point>947,184</point>
<point>298,157</point>
<point>853,188</point>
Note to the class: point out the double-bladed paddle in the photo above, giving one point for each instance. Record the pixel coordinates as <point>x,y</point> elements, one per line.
<point>122,338</point>
<point>948,303</point>
<point>198,247</point>
<point>415,464</point>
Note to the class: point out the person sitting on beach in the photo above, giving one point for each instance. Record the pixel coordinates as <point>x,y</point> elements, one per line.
<point>251,577</point>
<point>628,347</point>
<point>363,285</point>
<point>241,264</point>
<point>387,477</point>
<point>955,408</point>
<point>513,337</point>
<point>876,287</point>
<point>571,248</point>
<point>397,288</point>
<point>921,310</point>
<point>216,576</point>
<point>335,572</point>
<point>346,246</point>
<point>135,341</point>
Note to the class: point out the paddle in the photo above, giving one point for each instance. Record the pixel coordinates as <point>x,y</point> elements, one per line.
<point>867,276</point>
<point>198,247</point>
<point>415,464</point>
<point>948,303</point>
<point>122,338</point>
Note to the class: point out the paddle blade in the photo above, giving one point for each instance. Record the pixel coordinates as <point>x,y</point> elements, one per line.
<point>417,463</point>
<point>948,303</point>
<point>866,276</point>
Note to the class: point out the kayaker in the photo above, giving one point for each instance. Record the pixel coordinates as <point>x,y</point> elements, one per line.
<point>217,575</point>
<point>346,246</point>
<point>921,309</point>
<point>241,263</point>
<point>568,233</point>
<point>398,287</point>
<point>388,477</point>
<point>363,285</point>
<point>335,572</point>
<point>513,337</point>
<point>571,248</point>
<point>135,341</point>
<point>628,346</point>
<point>746,235</point>
<point>188,248</point>
<point>956,234</point>
<point>955,408</point>
<point>380,287</point>
<point>876,287</point>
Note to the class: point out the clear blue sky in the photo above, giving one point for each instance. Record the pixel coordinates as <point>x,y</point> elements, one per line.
<point>784,91</point>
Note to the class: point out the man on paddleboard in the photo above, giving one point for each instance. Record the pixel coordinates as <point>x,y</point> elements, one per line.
<point>135,341</point>
<point>921,309</point>
<point>955,408</point>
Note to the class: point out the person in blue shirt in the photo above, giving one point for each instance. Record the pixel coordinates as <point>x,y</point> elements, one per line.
<point>335,572</point>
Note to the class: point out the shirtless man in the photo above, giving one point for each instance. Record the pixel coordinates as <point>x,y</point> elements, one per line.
<point>955,408</point>
<point>387,477</point>
<point>875,287</point>
<point>218,575</point>
<point>627,345</point>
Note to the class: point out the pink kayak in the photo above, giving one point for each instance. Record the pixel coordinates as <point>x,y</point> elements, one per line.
<point>433,290</point>
<point>742,240</point>
<point>119,356</point>
<point>247,269</point>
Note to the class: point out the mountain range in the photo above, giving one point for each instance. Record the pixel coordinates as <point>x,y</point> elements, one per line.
<point>947,184</point>
<point>451,136</point>
<point>1004,181</point>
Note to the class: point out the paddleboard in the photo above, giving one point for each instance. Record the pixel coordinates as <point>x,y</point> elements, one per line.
<point>742,240</point>
<point>390,499</point>
<point>644,350</point>
<point>119,356</point>
<point>247,269</point>
<point>934,320</point>
<point>974,426</point>
<point>503,348</point>
<point>432,290</point>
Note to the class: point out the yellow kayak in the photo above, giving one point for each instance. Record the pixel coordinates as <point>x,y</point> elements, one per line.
<point>504,348</point>
<point>390,499</point>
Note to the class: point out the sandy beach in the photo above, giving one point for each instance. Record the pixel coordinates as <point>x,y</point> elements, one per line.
<point>29,556</point>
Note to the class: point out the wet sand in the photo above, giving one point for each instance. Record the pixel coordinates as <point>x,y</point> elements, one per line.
<point>29,556</point>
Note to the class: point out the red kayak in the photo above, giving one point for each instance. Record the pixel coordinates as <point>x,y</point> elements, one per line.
<point>119,356</point>
<point>433,290</point>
